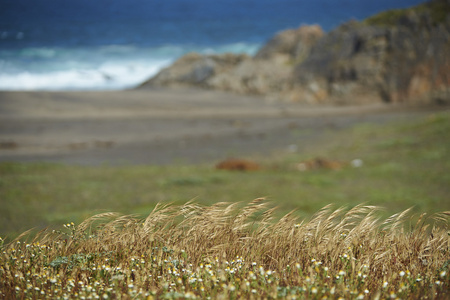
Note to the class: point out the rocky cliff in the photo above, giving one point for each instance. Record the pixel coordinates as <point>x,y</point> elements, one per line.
<point>396,56</point>
<point>268,73</point>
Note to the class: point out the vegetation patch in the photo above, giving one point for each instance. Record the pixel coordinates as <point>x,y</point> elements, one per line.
<point>437,10</point>
<point>222,249</point>
<point>232,251</point>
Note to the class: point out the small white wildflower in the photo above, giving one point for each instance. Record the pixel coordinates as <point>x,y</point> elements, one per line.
<point>385,284</point>
<point>402,273</point>
<point>261,270</point>
<point>442,274</point>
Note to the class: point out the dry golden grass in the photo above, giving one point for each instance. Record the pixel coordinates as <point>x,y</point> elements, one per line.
<point>234,251</point>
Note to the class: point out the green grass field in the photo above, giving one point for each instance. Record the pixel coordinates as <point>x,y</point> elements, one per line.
<point>405,165</point>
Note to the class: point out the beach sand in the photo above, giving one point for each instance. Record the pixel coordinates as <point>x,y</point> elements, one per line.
<point>162,126</point>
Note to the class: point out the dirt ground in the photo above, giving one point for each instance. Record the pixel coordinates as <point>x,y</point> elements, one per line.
<point>168,126</point>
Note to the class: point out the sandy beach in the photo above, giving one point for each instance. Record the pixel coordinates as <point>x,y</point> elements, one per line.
<point>161,126</point>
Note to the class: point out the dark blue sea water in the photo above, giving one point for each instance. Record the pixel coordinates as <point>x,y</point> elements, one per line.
<point>116,44</point>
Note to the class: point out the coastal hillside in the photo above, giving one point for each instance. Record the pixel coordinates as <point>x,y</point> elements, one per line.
<point>398,56</point>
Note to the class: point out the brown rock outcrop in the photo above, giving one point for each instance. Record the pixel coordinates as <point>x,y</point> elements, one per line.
<point>269,73</point>
<point>294,44</point>
<point>194,69</point>
<point>234,164</point>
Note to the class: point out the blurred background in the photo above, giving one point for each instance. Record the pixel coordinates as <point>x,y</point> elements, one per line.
<point>116,44</point>
<point>65,156</point>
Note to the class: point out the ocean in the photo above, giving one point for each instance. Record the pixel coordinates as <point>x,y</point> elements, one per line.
<point>118,44</point>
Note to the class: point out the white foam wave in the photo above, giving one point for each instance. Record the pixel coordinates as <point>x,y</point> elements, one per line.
<point>103,68</point>
<point>110,76</point>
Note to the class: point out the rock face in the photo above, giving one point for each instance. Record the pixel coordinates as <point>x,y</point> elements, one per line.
<point>293,44</point>
<point>194,69</point>
<point>364,62</point>
<point>269,73</point>
<point>397,56</point>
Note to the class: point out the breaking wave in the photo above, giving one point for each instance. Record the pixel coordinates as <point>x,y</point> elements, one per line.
<point>111,67</point>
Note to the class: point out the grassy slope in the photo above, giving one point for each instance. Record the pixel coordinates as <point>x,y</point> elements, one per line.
<point>404,165</point>
<point>438,11</point>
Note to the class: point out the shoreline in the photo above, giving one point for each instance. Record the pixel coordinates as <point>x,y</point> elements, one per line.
<point>169,103</point>
<point>164,126</point>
